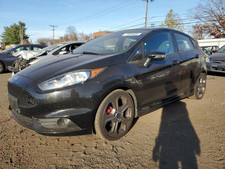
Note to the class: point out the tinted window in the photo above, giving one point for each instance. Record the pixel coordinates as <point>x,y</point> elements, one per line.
<point>138,54</point>
<point>183,43</point>
<point>35,48</point>
<point>160,42</point>
<point>222,49</point>
<point>23,48</point>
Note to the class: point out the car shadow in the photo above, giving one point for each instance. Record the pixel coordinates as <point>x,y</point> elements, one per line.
<point>177,143</point>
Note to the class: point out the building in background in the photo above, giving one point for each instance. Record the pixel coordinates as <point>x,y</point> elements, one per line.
<point>212,42</point>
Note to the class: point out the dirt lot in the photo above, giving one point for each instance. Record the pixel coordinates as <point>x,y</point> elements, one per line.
<point>186,134</point>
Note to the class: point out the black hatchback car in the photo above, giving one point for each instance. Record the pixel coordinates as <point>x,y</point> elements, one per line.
<point>7,58</point>
<point>108,82</point>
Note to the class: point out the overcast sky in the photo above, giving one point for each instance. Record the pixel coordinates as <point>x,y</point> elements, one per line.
<point>88,16</point>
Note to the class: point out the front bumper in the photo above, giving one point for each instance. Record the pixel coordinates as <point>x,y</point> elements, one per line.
<point>220,68</point>
<point>66,112</point>
<point>64,125</point>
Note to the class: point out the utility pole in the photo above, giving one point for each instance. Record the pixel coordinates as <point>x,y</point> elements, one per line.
<point>53,30</point>
<point>21,34</point>
<point>146,14</point>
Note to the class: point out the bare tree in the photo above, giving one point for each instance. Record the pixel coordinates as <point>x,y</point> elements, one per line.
<point>197,32</point>
<point>72,34</point>
<point>85,37</point>
<point>211,14</point>
<point>45,41</point>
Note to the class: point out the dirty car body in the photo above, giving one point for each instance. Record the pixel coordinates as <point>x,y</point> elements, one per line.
<point>132,71</point>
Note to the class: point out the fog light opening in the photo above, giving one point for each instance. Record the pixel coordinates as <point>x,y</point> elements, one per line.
<point>64,122</point>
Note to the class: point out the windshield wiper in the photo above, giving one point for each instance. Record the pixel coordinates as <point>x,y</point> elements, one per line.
<point>91,53</point>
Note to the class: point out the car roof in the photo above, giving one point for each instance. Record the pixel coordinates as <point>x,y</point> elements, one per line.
<point>70,42</point>
<point>28,45</point>
<point>147,30</point>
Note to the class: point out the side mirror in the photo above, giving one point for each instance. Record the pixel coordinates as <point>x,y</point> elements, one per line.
<point>156,55</point>
<point>153,55</point>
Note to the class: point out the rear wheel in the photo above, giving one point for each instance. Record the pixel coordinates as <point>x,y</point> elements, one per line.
<point>1,67</point>
<point>115,115</point>
<point>200,87</point>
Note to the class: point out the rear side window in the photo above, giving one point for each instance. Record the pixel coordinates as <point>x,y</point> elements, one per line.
<point>160,42</point>
<point>183,43</point>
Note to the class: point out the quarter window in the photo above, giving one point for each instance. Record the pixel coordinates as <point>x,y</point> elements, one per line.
<point>183,43</point>
<point>161,42</point>
<point>138,54</point>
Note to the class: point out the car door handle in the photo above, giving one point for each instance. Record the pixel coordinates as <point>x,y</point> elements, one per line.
<point>176,62</point>
<point>197,56</point>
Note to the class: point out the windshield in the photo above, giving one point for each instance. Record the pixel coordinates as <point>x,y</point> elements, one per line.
<point>113,43</point>
<point>222,49</point>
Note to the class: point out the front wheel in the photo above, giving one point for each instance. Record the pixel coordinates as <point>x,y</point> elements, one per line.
<point>115,115</point>
<point>200,87</point>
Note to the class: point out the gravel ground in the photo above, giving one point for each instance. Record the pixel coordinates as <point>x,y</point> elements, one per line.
<point>187,134</point>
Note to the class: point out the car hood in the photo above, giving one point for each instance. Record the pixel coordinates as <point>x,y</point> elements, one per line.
<point>2,54</point>
<point>58,65</point>
<point>41,58</point>
<point>217,56</point>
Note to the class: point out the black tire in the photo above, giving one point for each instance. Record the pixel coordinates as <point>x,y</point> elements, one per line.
<point>115,115</point>
<point>1,67</point>
<point>200,87</point>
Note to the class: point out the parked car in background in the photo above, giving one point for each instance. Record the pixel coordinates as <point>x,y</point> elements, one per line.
<point>28,58</point>
<point>209,50</point>
<point>7,58</point>
<point>108,82</point>
<point>217,61</point>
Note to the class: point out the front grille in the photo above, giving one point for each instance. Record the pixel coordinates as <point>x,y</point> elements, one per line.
<point>25,100</point>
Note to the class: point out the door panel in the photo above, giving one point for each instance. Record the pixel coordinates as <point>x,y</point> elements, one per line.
<point>161,79</point>
<point>190,61</point>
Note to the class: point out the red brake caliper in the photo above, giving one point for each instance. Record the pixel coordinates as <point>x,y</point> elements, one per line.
<point>110,110</point>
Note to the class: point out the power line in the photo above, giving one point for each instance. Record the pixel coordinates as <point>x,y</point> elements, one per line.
<point>127,23</point>
<point>111,9</point>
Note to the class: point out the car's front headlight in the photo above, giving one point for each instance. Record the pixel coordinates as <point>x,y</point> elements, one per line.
<point>69,79</point>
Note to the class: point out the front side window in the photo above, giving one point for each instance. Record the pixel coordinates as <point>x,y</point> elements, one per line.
<point>161,42</point>
<point>183,43</point>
